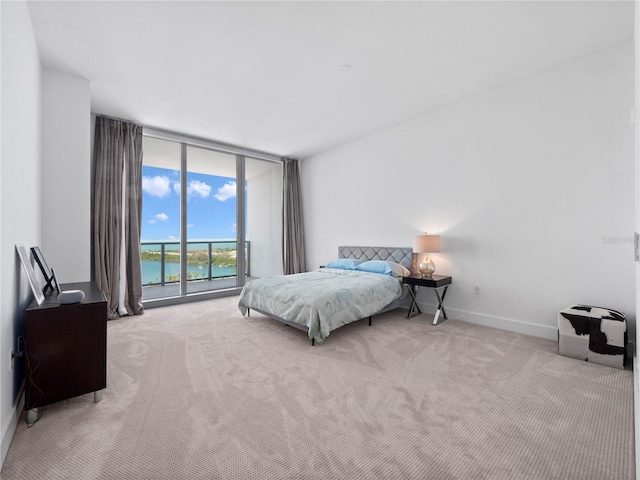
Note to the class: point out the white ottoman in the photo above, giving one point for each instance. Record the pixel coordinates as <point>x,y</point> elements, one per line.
<point>595,334</point>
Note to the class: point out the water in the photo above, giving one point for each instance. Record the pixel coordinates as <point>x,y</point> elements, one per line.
<point>151,268</point>
<point>151,272</point>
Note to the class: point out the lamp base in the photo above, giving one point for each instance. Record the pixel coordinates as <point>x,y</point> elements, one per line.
<point>426,266</point>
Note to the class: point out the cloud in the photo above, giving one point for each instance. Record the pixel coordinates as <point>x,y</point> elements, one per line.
<point>227,191</point>
<point>160,217</point>
<point>196,187</point>
<point>158,186</point>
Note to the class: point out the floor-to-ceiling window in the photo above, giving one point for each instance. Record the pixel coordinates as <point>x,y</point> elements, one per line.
<point>211,218</point>
<point>160,229</point>
<point>211,206</point>
<point>263,217</point>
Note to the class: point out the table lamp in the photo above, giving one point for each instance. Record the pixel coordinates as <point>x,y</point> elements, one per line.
<point>426,244</point>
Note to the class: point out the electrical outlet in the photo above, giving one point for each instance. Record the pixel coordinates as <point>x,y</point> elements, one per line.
<point>476,289</point>
<point>11,361</point>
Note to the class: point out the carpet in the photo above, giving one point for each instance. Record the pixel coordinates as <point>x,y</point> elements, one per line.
<point>197,391</point>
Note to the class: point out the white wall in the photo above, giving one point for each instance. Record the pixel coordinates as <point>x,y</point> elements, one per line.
<point>66,175</point>
<point>531,187</point>
<point>19,195</point>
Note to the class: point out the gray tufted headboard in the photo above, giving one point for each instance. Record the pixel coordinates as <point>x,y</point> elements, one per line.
<point>403,256</point>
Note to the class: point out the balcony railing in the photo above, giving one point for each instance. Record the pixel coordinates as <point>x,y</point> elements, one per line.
<point>206,260</point>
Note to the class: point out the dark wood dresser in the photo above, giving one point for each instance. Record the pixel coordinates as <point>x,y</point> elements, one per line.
<point>65,348</point>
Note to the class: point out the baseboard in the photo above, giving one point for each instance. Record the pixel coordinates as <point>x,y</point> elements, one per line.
<point>508,324</point>
<point>11,428</point>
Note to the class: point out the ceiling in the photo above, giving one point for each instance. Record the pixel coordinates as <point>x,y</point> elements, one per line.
<point>267,75</point>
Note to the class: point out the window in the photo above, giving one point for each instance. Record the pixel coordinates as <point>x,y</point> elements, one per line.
<point>202,206</point>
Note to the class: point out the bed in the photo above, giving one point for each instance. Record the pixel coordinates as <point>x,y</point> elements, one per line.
<point>360,283</point>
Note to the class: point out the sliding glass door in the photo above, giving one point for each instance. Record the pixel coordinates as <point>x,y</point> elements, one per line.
<point>210,219</point>
<point>211,192</point>
<point>263,218</point>
<point>160,229</point>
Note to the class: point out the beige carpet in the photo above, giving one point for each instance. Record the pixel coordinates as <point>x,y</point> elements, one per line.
<point>197,391</point>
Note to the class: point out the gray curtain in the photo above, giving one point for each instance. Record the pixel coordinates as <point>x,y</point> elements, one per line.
<point>116,215</point>
<point>293,253</point>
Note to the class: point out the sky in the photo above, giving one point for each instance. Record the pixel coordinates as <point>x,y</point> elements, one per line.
<point>211,206</point>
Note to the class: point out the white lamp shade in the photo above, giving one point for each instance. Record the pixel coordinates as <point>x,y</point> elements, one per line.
<point>426,243</point>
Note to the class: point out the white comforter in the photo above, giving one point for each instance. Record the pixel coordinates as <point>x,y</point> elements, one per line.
<point>322,300</point>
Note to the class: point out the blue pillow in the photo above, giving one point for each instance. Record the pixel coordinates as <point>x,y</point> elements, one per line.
<point>384,267</point>
<point>344,263</point>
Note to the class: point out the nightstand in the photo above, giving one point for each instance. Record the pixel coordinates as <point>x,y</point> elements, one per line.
<point>436,282</point>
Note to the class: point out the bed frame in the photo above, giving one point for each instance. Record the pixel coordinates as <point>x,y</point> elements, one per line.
<point>401,255</point>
